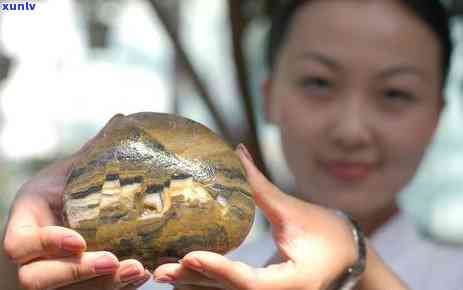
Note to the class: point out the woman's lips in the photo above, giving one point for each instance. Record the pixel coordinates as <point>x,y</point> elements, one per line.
<point>349,171</point>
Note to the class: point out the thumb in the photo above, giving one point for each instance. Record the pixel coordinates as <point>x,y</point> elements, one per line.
<point>236,275</point>
<point>291,219</point>
<point>275,204</point>
<point>231,274</point>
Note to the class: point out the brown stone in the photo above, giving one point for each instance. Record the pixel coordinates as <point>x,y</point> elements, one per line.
<point>157,186</point>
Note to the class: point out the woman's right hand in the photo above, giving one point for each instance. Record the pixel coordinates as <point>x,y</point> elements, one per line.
<point>315,247</point>
<point>50,256</point>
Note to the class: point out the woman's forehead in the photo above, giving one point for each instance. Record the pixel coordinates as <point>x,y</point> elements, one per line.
<point>359,21</point>
<point>367,31</point>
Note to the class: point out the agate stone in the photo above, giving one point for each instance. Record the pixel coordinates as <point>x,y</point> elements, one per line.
<point>154,187</point>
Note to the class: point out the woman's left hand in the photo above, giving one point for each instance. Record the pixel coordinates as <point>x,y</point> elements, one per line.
<point>315,245</point>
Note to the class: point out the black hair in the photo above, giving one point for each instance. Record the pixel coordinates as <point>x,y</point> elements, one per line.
<point>431,12</point>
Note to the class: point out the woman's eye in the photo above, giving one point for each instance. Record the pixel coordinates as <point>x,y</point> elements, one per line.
<point>316,84</point>
<point>398,95</point>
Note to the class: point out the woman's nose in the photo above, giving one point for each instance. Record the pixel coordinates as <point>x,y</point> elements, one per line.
<point>351,129</point>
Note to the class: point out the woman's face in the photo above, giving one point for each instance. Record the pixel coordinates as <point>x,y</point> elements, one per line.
<point>356,93</point>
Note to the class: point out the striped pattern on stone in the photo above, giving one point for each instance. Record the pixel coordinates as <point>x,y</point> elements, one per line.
<point>157,186</point>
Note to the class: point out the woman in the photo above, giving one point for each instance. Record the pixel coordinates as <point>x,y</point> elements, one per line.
<point>354,100</point>
<point>355,88</point>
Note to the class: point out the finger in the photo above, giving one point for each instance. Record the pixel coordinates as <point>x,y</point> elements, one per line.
<point>182,276</point>
<point>42,196</point>
<point>136,284</point>
<point>274,203</point>
<point>26,243</point>
<point>30,210</point>
<point>130,271</point>
<point>236,275</point>
<point>52,274</point>
<point>229,274</point>
<point>39,201</point>
<point>296,225</point>
<point>107,282</point>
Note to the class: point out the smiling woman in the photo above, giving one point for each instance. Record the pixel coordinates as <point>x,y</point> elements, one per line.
<point>355,103</point>
<point>357,106</point>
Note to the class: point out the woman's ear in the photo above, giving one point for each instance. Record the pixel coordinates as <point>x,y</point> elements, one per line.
<point>269,102</point>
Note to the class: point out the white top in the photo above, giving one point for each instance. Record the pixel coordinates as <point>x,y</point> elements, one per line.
<point>421,264</point>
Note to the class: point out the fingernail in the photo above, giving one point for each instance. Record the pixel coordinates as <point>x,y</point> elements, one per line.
<point>140,282</point>
<point>72,244</point>
<point>105,264</point>
<point>245,151</point>
<point>195,265</point>
<point>131,273</point>
<point>165,279</point>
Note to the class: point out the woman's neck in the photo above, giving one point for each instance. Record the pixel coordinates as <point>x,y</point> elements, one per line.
<point>372,222</point>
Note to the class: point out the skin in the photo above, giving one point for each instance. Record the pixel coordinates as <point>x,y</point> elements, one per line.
<point>356,104</point>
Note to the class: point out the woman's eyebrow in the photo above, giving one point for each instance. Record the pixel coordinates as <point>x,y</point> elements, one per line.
<point>320,58</point>
<point>401,70</point>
